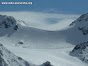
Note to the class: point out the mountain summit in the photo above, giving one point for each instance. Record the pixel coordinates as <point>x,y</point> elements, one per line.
<point>8,25</point>
<point>82,23</point>
<point>8,22</point>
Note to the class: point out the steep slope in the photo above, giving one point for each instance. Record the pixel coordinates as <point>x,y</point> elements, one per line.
<point>81,51</point>
<point>8,25</point>
<point>82,23</point>
<point>9,59</point>
<point>77,33</point>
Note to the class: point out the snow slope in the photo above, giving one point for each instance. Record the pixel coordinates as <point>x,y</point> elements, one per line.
<point>9,59</point>
<point>46,45</point>
<point>31,37</point>
<point>81,51</point>
<point>49,38</point>
<point>57,57</point>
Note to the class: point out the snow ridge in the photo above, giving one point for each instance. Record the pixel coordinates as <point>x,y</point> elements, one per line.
<point>82,23</point>
<point>9,59</point>
<point>81,51</point>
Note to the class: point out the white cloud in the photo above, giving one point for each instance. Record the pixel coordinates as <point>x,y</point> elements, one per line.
<point>45,21</point>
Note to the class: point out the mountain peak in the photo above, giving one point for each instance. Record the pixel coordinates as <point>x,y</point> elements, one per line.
<point>8,22</point>
<point>81,23</point>
<point>83,17</point>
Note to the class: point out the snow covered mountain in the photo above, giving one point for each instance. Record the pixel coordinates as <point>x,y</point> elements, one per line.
<point>77,33</point>
<point>9,59</point>
<point>82,23</point>
<point>7,22</point>
<point>8,25</point>
<point>81,51</point>
<point>22,38</point>
<point>17,34</point>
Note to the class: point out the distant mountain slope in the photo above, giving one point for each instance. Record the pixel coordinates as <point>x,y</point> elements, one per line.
<point>82,23</point>
<point>31,37</point>
<point>81,51</point>
<point>78,31</point>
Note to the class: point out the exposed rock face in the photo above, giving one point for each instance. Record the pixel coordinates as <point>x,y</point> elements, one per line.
<point>82,23</point>
<point>8,25</point>
<point>81,51</point>
<point>8,22</point>
<point>47,63</point>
